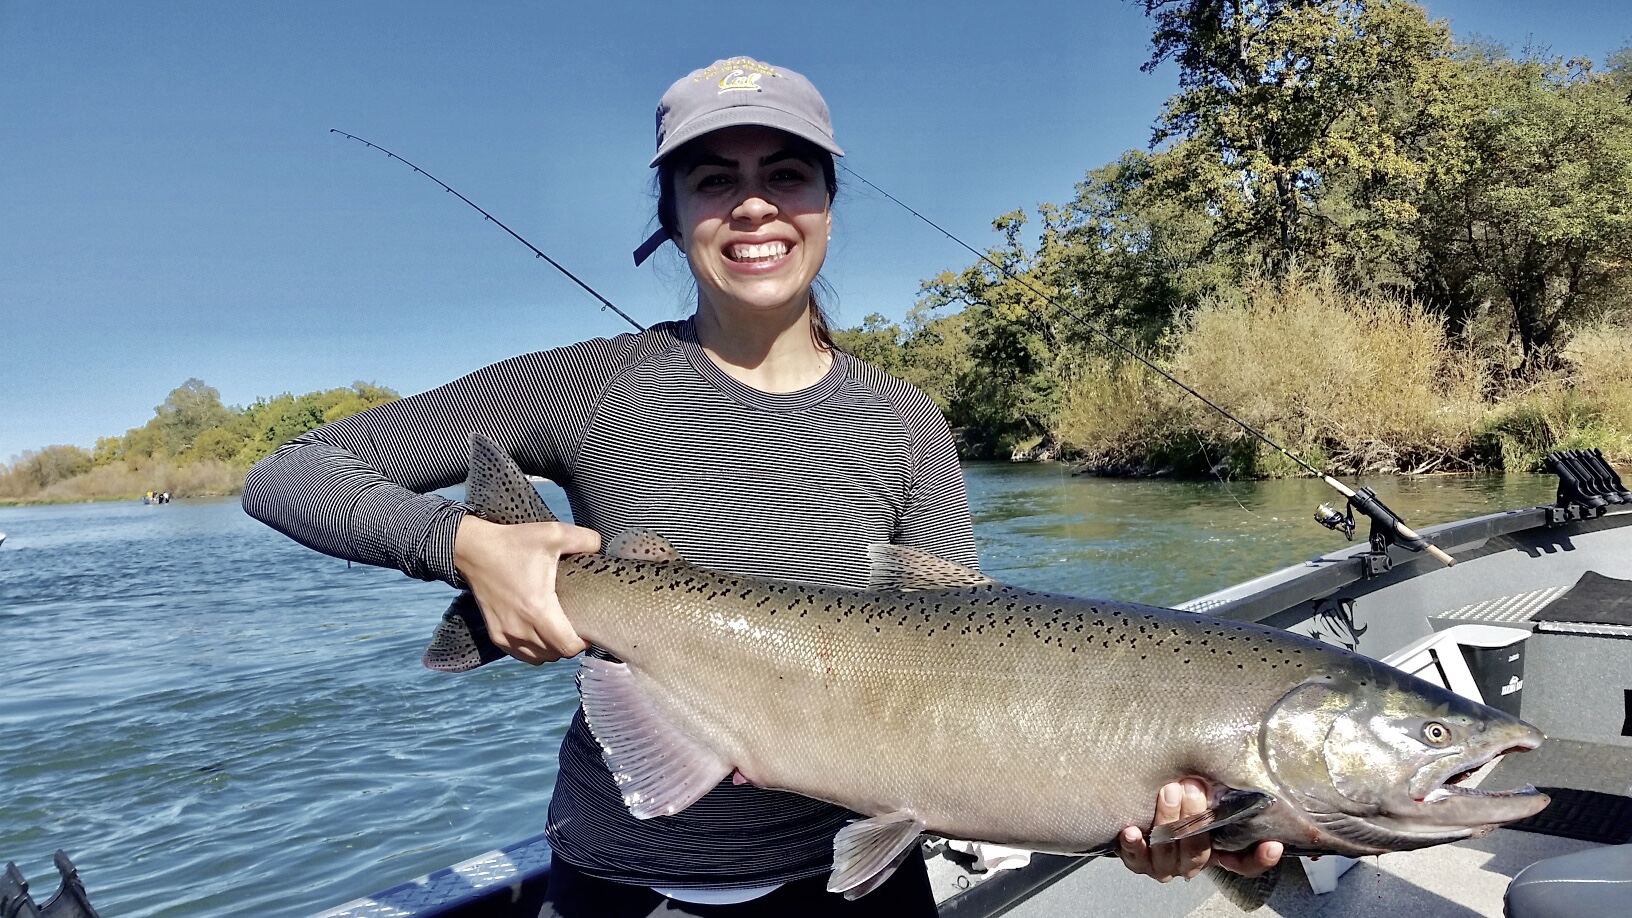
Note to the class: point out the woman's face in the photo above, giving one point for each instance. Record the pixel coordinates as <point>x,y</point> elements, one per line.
<point>754,220</point>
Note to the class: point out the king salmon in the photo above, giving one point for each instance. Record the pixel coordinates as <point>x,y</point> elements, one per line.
<point>943,701</point>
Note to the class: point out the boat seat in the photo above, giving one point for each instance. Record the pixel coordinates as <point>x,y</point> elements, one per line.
<point>1587,884</point>
<point>1438,659</point>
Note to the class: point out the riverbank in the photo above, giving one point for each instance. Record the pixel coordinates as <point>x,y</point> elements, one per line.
<point>123,480</point>
<point>1352,384</point>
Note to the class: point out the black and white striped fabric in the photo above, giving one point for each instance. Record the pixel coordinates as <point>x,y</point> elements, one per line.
<point>645,431</point>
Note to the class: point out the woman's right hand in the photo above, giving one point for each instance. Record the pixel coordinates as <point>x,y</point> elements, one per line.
<point>511,571</point>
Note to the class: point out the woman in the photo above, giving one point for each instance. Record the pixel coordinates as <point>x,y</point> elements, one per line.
<point>741,435</point>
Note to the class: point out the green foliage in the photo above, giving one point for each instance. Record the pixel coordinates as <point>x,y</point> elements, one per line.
<point>1526,200</point>
<point>192,445</point>
<point>38,470</point>
<point>1282,107</point>
<point>1466,201</point>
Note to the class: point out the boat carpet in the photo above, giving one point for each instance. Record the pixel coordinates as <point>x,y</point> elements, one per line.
<point>1595,599</point>
<point>1588,783</point>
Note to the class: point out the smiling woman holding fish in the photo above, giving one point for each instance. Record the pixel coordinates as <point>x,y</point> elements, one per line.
<point>741,435</point>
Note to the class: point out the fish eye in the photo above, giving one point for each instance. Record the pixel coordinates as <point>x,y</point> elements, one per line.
<point>1436,733</point>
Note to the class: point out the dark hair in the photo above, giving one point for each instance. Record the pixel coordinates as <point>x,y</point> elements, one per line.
<point>668,218</point>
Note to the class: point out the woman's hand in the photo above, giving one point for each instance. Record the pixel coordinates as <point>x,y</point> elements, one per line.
<point>511,570</point>
<point>1186,857</point>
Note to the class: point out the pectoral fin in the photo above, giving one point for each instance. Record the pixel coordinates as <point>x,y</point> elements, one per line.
<point>1233,807</point>
<point>1248,893</point>
<point>660,769</point>
<point>866,852</point>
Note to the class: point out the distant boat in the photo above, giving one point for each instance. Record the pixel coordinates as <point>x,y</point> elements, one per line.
<point>2,538</point>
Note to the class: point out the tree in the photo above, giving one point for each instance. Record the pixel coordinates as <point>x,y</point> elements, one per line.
<point>189,410</point>
<point>1281,104</point>
<point>1527,198</point>
<point>38,470</point>
<point>877,341</point>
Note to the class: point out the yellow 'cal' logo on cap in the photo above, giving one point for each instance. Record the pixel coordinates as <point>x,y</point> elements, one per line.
<point>739,80</point>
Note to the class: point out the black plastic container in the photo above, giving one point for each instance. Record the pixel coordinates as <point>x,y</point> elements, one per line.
<point>1499,673</point>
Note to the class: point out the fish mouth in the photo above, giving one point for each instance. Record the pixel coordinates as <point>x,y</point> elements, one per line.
<point>1454,798</point>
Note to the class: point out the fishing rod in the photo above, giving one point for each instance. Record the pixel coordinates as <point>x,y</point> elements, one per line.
<point>1363,501</point>
<point>605,303</point>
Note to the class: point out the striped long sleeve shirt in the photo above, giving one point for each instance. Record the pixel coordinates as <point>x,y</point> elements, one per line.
<point>645,431</point>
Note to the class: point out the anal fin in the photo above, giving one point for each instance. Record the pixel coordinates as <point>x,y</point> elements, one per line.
<point>866,852</point>
<point>660,769</point>
<point>1235,806</point>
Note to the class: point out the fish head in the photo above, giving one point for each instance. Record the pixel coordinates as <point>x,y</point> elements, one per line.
<point>1375,760</point>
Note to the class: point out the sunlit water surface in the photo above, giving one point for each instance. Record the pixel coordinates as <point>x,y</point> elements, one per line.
<point>213,720</point>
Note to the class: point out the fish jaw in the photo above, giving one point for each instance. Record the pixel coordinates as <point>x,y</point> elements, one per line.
<point>1373,760</point>
<point>1439,797</point>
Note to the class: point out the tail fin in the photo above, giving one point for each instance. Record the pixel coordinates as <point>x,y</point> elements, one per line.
<point>499,492</point>
<point>460,642</point>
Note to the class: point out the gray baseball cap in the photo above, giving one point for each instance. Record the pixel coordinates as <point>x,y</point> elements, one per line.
<point>737,91</point>
<point>732,92</point>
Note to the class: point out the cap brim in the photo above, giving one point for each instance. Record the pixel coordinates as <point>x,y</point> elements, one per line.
<point>740,115</point>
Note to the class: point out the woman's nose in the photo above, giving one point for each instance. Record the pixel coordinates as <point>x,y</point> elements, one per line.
<point>754,208</point>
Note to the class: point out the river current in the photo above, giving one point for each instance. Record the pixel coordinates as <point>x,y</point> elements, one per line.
<point>213,720</point>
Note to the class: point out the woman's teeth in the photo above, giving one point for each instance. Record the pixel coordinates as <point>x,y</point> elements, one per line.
<point>762,252</point>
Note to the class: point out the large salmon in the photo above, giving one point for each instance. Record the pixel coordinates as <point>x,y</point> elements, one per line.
<point>943,701</point>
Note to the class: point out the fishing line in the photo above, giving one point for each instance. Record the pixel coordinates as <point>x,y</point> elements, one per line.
<point>1363,501</point>
<point>605,303</point>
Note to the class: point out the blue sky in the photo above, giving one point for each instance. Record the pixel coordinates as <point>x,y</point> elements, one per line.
<point>173,205</point>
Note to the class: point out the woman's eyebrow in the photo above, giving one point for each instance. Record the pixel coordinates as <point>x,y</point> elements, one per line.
<point>780,155</point>
<point>709,159</point>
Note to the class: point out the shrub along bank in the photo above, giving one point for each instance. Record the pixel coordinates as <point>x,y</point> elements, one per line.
<point>194,446</point>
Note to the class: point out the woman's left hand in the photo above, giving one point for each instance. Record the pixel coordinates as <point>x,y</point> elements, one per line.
<point>1186,857</point>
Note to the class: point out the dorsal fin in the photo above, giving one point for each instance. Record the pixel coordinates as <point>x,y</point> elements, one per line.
<point>897,567</point>
<point>641,545</point>
<point>498,490</point>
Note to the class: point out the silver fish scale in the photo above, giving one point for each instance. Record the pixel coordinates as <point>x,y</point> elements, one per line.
<point>813,690</point>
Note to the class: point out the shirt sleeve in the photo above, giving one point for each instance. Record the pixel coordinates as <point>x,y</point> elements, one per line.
<point>357,488</point>
<point>936,518</point>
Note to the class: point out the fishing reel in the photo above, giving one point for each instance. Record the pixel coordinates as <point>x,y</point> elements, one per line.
<point>1335,521</point>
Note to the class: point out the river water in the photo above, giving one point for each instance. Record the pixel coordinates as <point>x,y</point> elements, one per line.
<point>213,720</point>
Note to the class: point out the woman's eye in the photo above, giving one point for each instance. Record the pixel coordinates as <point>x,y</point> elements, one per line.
<point>712,181</point>
<point>787,176</point>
